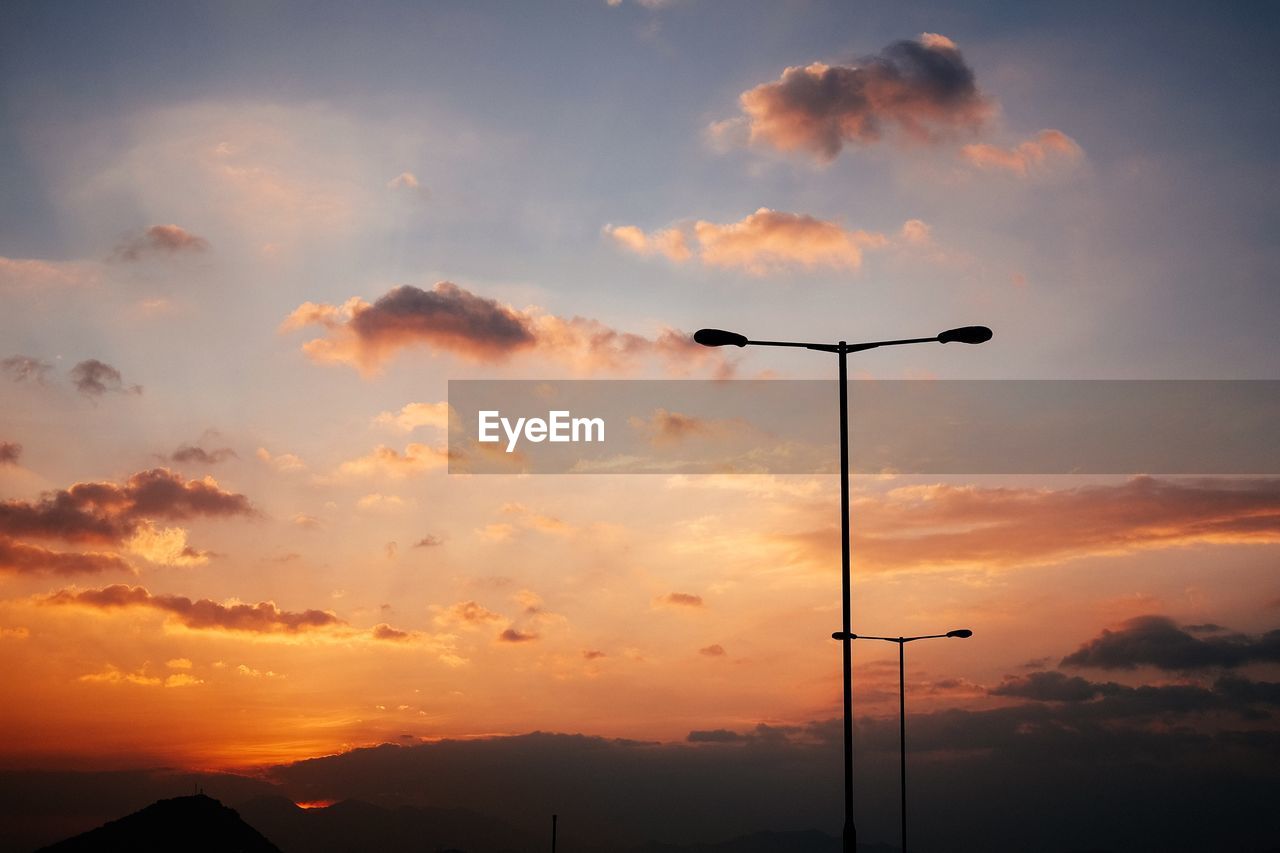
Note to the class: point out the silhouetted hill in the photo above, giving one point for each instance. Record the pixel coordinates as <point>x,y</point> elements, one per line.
<point>352,825</point>
<point>198,824</point>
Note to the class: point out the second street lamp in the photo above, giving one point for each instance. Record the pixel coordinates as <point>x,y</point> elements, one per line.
<point>963,634</point>
<point>964,335</point>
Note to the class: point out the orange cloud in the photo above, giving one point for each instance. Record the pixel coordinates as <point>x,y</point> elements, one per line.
<point>922,89</point>
<point>406,181</point>
<point>283,462</point>
<point>35,274</point>
<point>165,546</point>
<point>387,462</point>
<point>107,512</point>
<point>21,558</point>
<point>450,319</point>
<point>1046,149</point>
<point>768,240</point>
<point>670,242</point>
<point>468,613</point>
<point>414,415</point>
<point>113,675</point>
<point>941,525</point>
<point>680,599</point>
<point>383,631</point>
<point>202,614</point>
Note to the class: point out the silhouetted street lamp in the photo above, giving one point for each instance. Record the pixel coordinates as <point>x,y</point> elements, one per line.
<point>963,634</point>
<point>721,338</point>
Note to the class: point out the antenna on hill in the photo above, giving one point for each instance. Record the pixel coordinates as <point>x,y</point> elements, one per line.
<point>553,832</point>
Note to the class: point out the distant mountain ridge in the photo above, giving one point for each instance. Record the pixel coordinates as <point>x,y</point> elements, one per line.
<point>201,824</point>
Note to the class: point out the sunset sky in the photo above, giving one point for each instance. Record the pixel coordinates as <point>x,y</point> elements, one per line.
<point>244,247</point>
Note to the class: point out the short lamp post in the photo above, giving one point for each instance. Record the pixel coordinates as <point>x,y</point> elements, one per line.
<point>961,633</point>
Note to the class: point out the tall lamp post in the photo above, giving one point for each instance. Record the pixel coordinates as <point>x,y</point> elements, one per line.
<point>962,633</point>
<point>721,338</point>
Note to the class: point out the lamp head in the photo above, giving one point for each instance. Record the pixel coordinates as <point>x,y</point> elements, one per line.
<point>962,633</point>
<point>719,338</point>
<point>966,335</point>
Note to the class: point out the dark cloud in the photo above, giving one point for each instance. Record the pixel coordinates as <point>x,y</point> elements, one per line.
<point>1157,641</point>
<point>447,315</point>
<point>1205,628</point>
<point>95,378</point>
<point>714,650</point>
<point>512,635</point>
<point>9,452</point>
<point>681,599</point>
<point>194,453</point>
<point>24,368</point>
<point>921,88</point>
<point>428,541</point>
<point>108,512</point>
<point>1050,686</point>
<point>160,239</point>
<point>714,736</point>
<point>1118,701</point>
<point>21,558</point>
<point>592,654</point>
<point>1243,691</point>
<point>261,618</point>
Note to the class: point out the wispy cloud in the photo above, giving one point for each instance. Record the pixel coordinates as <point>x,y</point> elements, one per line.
<point>761,242</point>
<point>94,378</point>
<point>969,526</point>
<point>1047,150</point>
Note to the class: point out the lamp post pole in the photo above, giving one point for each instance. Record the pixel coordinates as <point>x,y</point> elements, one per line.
<point>962,633</point>
<point>850,833</point>
<point>720,338</point>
